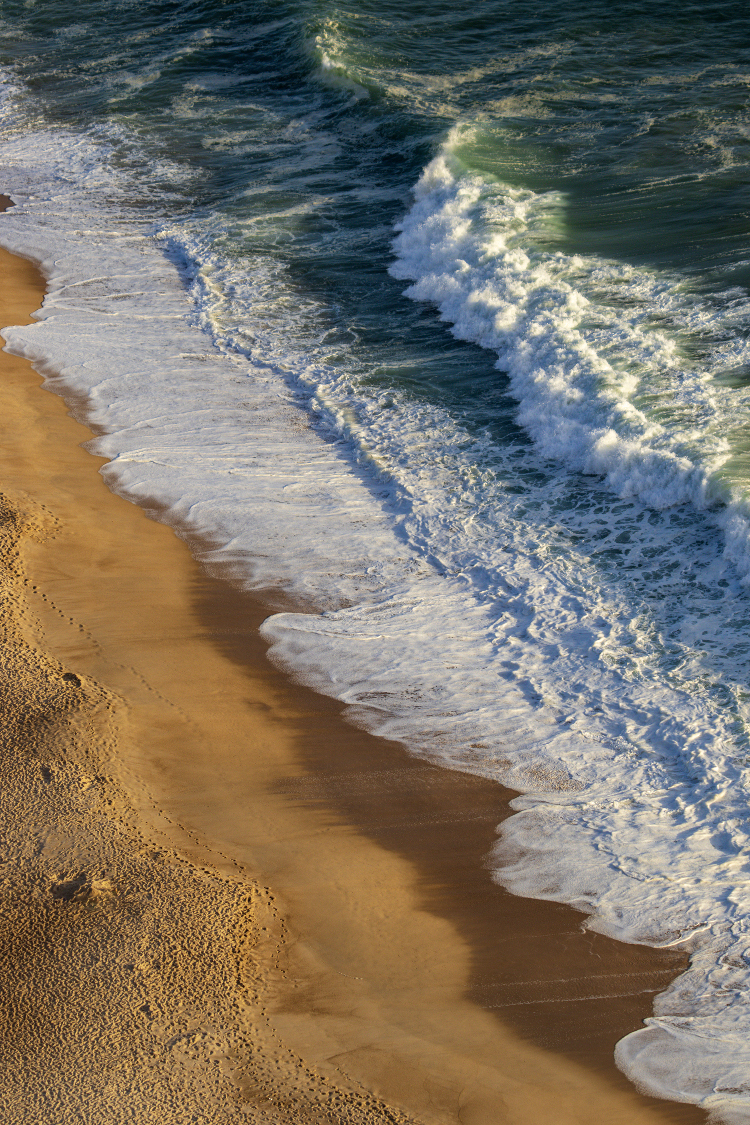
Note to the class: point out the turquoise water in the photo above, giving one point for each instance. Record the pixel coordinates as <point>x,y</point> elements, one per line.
<point>437,316</point>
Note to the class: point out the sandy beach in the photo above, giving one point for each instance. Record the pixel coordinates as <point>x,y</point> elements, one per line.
<point>220,901</point>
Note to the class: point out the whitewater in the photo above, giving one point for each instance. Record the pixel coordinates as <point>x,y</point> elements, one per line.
<point>547,586</point>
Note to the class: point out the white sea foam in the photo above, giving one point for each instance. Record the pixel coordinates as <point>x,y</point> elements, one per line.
<point>459,614</point>
<point>597,352</point>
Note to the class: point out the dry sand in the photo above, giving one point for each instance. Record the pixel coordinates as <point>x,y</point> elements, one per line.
<point>219,901</point>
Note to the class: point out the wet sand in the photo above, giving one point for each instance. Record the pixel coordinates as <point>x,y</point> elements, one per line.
<point>368,968</point>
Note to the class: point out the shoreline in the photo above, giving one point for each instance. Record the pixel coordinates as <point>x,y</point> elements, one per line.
<point>403,981</point>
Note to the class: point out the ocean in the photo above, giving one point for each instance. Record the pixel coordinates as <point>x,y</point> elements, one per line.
<point>436,317</point>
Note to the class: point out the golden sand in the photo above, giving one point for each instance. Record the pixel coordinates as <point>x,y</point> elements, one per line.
<point>220,902</point>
